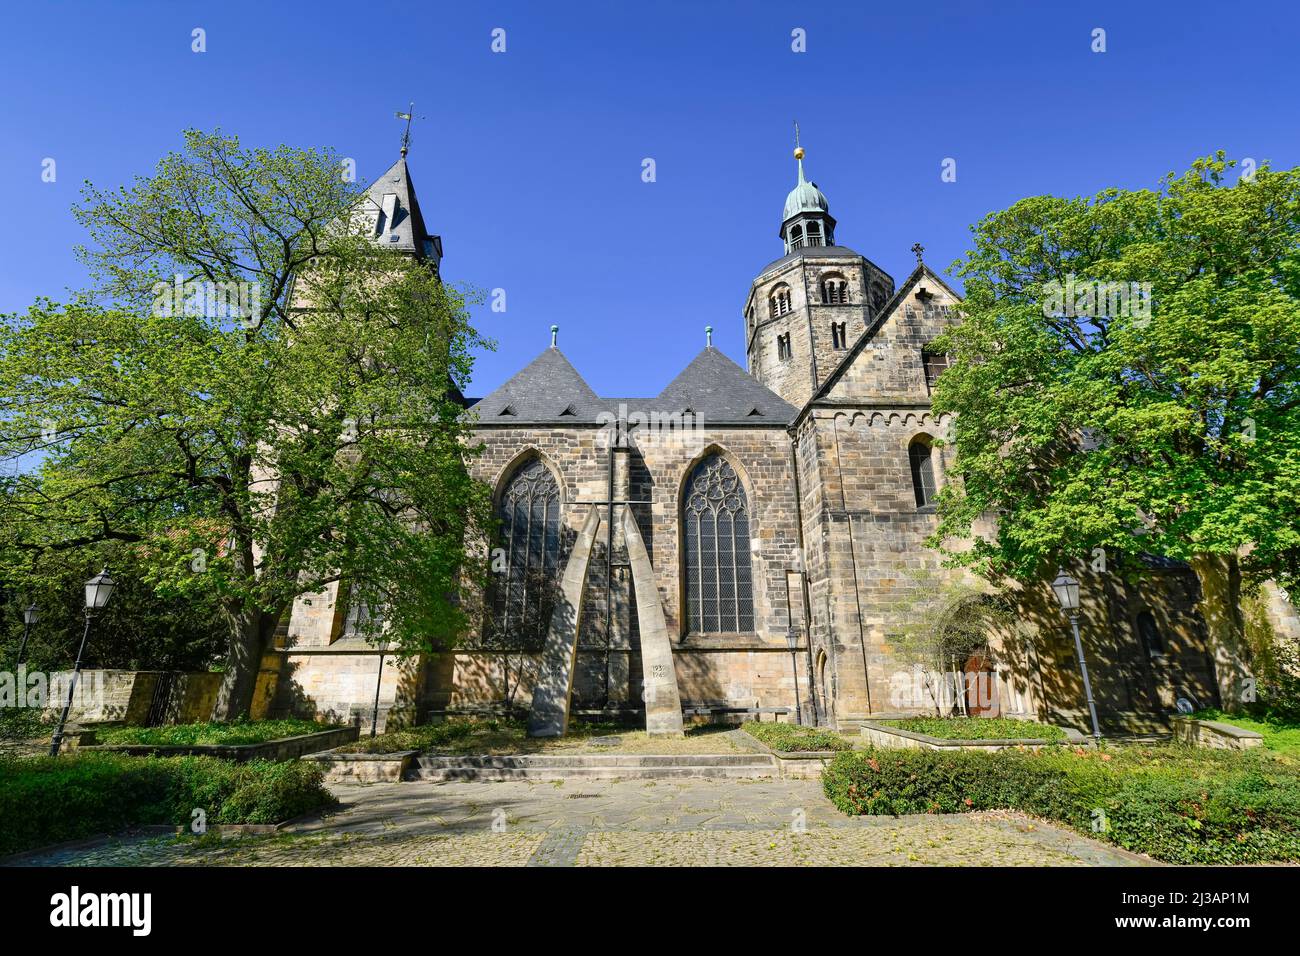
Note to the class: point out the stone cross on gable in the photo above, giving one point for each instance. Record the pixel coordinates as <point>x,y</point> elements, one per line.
<point>917,249</point>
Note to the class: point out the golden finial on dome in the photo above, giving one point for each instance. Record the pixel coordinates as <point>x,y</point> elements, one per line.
<point>798,152</point>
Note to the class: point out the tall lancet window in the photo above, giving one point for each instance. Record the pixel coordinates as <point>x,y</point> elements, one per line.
<point>719,587</point>
<point>526,570</point>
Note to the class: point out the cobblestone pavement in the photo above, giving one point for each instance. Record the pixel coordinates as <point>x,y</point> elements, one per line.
<point>612,823</point>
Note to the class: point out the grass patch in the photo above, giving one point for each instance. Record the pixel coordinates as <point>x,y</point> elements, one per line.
<point>795,738</point>
<point>234,732</point>
<point>497,736</point>
<point>1281,734</point>
<point>1176,803</point>
<point>46,800</point>
<point>977,728</point>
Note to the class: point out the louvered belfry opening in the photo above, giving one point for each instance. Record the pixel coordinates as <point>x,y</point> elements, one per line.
<point>719,589</point>
<point>523,595</point>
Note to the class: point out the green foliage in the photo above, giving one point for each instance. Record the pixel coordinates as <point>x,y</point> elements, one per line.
<point>795,738</point>
<point>181,633</point>
<point>24,723</point>
<point>241,731</point>
<point>1175,803</point>
<point>978,728</point>
<point>45,801</point>
<point>1193,411</point>
<point>300,428</point>
<point>429,736</point>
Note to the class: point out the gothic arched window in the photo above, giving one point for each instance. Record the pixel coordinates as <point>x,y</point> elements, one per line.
<point>921,456</point>
<point>527,566</point>
<point>718,596</point>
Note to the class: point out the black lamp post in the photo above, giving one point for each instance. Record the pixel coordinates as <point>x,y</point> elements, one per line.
<point>1067,595</point>
<point>31,614</point>
<point>792,639</point>
<point>98,590</point>
<point>379,682</point>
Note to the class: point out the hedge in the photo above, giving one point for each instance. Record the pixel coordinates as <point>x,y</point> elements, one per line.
<point>1175,803</point>
<point>47,800</point>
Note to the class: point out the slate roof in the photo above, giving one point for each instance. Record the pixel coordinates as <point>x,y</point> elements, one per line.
<point>549,390</point>
<point>407,225</point>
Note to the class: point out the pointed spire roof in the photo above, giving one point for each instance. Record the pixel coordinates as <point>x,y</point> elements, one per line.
<point>400,225</point>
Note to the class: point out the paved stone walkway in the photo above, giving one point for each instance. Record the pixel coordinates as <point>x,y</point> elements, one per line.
<point>616,823</point>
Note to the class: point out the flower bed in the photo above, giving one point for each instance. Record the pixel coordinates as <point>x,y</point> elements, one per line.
<point>212,734</point>
<point>795,738</point>
<point>977,728</point>
<point>1173,802</point>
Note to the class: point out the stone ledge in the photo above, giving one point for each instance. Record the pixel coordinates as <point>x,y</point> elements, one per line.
<point>792,764</point>
<point>363,768</point>
<point>1215,734</point>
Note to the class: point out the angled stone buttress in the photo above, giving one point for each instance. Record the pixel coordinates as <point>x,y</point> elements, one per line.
<point>663,703</point>
<point>549,716</point>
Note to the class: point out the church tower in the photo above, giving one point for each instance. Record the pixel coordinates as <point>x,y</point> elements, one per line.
<point>806,309</point>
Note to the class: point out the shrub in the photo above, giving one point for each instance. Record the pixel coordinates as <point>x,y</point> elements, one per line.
<point>791,738</point>
<point>47,800</point>
<point>1174,803</point>
<point>977,728</point>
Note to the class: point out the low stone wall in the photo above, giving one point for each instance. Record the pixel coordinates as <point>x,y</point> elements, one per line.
<point>1212,733</point>
<point>878,735</point>
<point>103,695</point>
<point>286,748</point>
<point>790,764</point>
<point>363,768</point>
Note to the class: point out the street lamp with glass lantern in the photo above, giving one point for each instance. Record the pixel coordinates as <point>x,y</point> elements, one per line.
<point>98,590</point>
<point>792,640</point>
<point>1067,595</point>
<point>31,614</point>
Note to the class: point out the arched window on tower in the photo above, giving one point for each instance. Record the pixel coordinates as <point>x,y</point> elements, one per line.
<point>796,236</point>
<point>523,594</point>
<point>814,233</point>
<point>835,289</point>
<point>920,455</point>
<point>779,300</point>
<point>718,589</point>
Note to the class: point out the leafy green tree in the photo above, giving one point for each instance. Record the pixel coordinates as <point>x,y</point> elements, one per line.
<point>289,418</point>
<point>1163,420</point>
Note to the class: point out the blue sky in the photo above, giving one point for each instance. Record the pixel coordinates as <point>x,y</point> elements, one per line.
<point>528,162</point>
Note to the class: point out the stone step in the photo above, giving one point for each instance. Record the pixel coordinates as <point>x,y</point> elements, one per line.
<point>593,767</point>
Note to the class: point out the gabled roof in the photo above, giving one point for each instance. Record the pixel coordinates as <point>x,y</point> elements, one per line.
<point>542,391</point>
<point>712,387</point>
<point>922,271</point>
<point>407,224</point>
<point>720,390</point>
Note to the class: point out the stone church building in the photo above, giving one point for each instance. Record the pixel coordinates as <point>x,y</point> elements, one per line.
<point>750,539</point>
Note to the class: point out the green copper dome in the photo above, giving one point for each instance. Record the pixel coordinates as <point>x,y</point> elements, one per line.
<point>805,197</point>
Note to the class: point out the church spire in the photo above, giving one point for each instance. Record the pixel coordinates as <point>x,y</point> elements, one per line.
<point>806,219</point>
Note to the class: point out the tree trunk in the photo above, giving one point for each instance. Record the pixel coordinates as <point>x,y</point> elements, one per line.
<point>248,633</point>
<point>1220,606</point>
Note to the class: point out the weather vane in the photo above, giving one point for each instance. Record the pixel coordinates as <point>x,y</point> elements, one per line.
<point>406,134</point>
